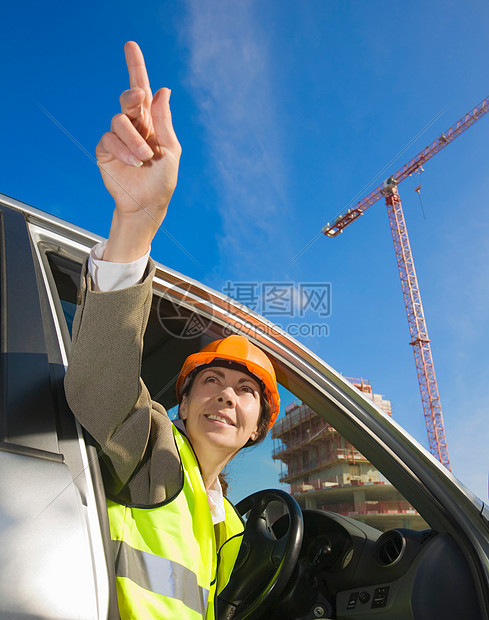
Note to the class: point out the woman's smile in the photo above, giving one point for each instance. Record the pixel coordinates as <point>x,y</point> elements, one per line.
<point>213,417</point>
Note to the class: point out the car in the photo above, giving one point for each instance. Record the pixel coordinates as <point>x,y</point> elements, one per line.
<point>294,562</point>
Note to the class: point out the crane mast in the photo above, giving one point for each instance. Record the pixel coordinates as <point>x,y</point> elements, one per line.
<point>420,341</point>
<point>412,298</point>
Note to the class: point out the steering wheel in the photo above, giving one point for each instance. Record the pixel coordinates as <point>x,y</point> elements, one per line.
<point>265,563</point>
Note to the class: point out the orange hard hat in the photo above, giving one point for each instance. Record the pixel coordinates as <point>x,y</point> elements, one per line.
<point>240,350</point>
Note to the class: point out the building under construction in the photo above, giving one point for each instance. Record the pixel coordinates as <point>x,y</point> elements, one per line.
<point>326,472</point>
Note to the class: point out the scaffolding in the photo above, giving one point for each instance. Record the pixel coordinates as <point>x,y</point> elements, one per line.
<point>327,472</point>
<point>304,442</point>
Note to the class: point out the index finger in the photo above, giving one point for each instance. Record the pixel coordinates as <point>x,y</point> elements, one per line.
<point>138,76</point>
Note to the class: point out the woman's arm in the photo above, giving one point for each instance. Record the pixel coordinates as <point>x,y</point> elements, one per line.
<point>102,384</point>
<point>138,160</point>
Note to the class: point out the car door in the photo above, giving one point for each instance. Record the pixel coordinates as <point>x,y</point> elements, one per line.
<point>52,560</point>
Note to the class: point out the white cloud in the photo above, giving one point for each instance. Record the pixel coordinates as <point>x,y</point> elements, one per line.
<point>230,76</point>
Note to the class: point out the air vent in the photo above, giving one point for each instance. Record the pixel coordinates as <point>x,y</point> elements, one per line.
<point>390,547</point>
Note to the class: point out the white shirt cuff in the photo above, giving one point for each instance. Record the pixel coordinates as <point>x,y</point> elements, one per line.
<point>108,276</point>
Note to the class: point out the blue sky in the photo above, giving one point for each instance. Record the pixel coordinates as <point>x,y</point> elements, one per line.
<point>287,111</point>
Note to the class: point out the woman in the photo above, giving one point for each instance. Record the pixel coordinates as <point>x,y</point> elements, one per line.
<point>175,537</point>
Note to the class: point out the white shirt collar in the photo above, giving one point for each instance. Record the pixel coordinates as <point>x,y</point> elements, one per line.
<point>215,497</point>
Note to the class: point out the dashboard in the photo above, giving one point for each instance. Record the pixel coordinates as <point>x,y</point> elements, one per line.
<point>347,569</point>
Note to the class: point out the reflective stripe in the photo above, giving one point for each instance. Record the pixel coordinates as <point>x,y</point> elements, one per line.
<point>160,575</point>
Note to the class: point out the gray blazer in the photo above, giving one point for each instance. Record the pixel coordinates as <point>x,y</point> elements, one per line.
<point>104,390</point>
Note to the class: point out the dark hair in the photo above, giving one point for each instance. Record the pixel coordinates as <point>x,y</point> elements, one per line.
<point>263,423</point>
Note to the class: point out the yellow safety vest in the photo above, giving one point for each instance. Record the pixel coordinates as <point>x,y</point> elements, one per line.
<point>166,561</point>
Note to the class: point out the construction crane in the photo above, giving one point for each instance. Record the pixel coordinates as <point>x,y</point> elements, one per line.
<point>409,282</point>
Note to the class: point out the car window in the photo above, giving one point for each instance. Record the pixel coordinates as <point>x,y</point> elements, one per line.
<point>310,459</point>
<point>66,274</point>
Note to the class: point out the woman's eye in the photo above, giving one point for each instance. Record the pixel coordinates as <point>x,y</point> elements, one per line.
<point>210,378</point>
<point>248,388</point>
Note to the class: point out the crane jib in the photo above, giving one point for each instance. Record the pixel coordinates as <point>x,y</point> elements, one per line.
<point>412,166</point>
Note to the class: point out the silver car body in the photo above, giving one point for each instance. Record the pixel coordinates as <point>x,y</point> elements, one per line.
<point>53,529</point>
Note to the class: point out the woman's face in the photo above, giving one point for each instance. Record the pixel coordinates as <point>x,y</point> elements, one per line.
<point>222,409</point>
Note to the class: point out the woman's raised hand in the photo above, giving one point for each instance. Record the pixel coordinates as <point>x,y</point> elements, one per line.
<point>138,160</point>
